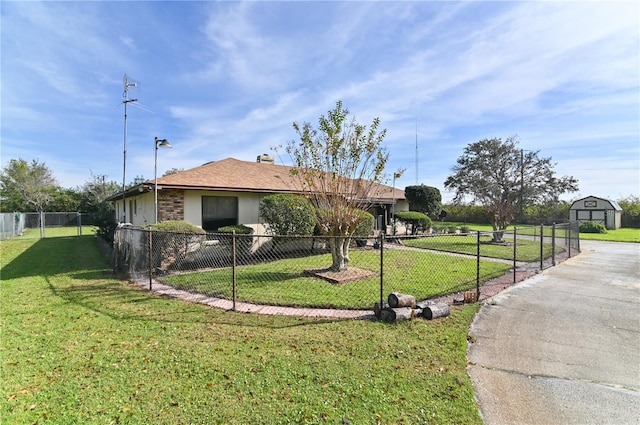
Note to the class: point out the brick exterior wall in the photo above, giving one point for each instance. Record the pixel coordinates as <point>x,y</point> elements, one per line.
<point>170,205</point>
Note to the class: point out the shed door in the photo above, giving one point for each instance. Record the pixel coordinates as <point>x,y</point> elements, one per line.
<point>598,216</point>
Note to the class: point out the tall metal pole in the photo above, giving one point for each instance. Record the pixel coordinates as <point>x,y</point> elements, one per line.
<point>393,207</point>
<point>158,143</point>
<point>155,182</point>
<point>126,101</point>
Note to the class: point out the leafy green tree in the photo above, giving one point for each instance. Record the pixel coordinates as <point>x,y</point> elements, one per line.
<point>415,219</point>
<point>95,191</point>
<point>340,164</point>
<point>287,215</point>
<point>630,211</point>
<point>93,196</point>
<point>172,171</point>
<point>505,179</point>
<point>65,200</point>
<point>424,199</point>
<point>26,186</point>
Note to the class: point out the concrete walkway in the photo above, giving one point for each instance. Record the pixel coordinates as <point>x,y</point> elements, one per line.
<point>563,347</point>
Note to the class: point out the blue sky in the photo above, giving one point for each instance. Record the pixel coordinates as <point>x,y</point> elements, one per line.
<point>228,79</point>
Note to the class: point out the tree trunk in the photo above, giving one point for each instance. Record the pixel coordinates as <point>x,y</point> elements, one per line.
<point>377,308</point>
<point>397,299</point>
<point>396,314</point>
<point>339,253</point>
<point>436,310</point>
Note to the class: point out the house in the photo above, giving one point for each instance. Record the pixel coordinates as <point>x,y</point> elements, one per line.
<point>596,209</point>
<point>226,192</point>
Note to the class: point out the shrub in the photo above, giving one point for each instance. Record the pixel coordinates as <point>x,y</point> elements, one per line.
<point>452,229</point>
<point>424,199</point>
<point>466,213</point>
<point>365,227</point>
<point>417,220</point>
<point>176,226</point>
<point>244,242</point>
<point>592,227</point>
<point>630,211</point>
<point>172,240</point>
<point>465,229</point>
<point>239,229</point>
<point>104,218</point>
<point>287,215</point>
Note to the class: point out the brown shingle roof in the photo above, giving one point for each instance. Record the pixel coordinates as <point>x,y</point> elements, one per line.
<point>233,175</point>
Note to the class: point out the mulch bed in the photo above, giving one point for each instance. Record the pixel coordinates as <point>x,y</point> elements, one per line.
<point>350,275</point>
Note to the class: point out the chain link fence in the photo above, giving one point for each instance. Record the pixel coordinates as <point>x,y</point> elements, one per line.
<point>295,271</point>
<point>34,225</point>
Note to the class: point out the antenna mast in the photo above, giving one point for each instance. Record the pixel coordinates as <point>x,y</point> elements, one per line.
<point>125,95</point>
<point>416,149</point>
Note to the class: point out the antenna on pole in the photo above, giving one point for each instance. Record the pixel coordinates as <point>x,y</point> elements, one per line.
<point>125,99</point>
<point>416,148</point>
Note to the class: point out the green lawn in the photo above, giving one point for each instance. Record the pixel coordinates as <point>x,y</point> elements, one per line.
<point>79,346</point>
<point>422,274</point>
<point>58,232</point>
<point>526,250</point>
<point>618,235</point>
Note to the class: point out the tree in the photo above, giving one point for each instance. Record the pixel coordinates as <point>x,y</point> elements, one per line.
<point>287,215</point>
<point>424,199</point>
<point>27,186</point>
<point>505,179</point>
<point>339,164</point>
<point>65,200</point>
<point>93,196</point>
<point>95,191</point>
<point>172,171</point>
<point>630,211</point>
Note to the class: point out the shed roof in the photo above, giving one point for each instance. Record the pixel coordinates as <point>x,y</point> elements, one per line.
<point>614,204</point>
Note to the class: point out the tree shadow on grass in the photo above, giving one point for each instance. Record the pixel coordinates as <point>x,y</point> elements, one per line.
<point>122,303</point>
<point>47,257</point>
<point>77,272</point>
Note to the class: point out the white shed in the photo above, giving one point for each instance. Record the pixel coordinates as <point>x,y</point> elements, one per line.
<point>596,209</point>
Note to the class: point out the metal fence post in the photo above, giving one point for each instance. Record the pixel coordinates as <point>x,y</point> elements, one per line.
<point>151,268</point>
<point>541,247</point>
<point>478,268</point>
<point>553,244</point>
<point>233,269</point>
<point>515,254</point>
<point>382,236</point>
<point>42,234</point>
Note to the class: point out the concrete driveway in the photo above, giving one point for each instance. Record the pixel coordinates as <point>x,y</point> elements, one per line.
<point>563,347</point>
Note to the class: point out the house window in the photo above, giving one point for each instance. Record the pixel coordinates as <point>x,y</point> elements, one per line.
<point>219,211</point>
